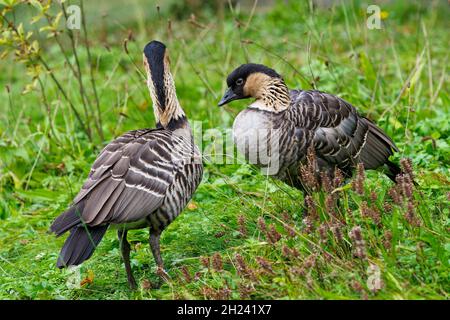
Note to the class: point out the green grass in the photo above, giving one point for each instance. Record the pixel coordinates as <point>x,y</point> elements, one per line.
<point>397,76</point>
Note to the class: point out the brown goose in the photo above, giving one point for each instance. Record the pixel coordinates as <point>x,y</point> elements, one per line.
<point>144,178</point>
<point>301,120</point>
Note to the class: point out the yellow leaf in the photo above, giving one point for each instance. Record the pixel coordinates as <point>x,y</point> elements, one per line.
<point>20,29</point>
<point>29,87</point>
<point>143,106</point>
<point>397,124</point>
<point>8,3</point>
<point>192,205</point>
<point>35,46</point>
<point>3,54</point>
<point>35,4</point>
<point>36,18</point>
<point>56,21</point>
<point>17,182</point>
<point>89,279</point>
<point>45,28</point>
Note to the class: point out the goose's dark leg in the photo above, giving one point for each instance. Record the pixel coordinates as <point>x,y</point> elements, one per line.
<point>154,245</point>
<point>125,248</point>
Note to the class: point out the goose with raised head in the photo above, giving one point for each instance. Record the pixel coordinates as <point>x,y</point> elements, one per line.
<point>143,178</point>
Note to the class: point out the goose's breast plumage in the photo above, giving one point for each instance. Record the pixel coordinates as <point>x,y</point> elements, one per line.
<point>265,139</point>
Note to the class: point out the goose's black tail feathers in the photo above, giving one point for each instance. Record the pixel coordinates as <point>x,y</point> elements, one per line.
<point>67,220</point>
<point>392,170</point>
<point>80,245</point>
<point>82,240</point>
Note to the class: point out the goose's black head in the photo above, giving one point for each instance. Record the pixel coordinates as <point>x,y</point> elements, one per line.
<point>245,81</point>
<point>155,62</point>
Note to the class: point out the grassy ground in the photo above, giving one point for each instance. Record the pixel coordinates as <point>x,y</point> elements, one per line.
<point>243,235</point>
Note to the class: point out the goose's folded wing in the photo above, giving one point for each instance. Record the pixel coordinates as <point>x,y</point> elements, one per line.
<point>129,179</point>
<point>340,135</point>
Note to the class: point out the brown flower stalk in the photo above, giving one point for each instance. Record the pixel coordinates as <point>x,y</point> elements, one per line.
<point>338,178</point>
<point>387,242</point>
<point>323,228</point>
<point>358,242</point>
<point>358,182</point>
<point>262,225</point>
<point>308,225</point>
<point>372,213</point>
<point>310,261</point>
<point>410,215</point>
<point>205,262</point>
<point>311,207</point>
<point>407,168</point>
<point>407,187</point>
<point>245,290</point>
<point>387,207</point>
<point>325,182</point>
<point>300,271</point>
<point>273,235</point>
<point>395,195</point>
<point>219,294</point>
<point>186,274</point>
<point>308,171</point>
<point>217,262</point>
<point>289,230</point>
<point>242,226</point>
<point>265,265</point>
<point>337,232</point>
<point>290,253</point>
<point>330,205</point>
<point>242,268</point>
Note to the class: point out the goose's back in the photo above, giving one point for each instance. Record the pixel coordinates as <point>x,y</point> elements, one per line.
<point>340,136</point>
<point>137,174</point>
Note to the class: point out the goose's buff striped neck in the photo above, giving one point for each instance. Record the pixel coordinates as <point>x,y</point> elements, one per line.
<point>167,109</point>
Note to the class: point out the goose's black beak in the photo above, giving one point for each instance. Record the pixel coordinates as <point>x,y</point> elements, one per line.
<point>228,97</point>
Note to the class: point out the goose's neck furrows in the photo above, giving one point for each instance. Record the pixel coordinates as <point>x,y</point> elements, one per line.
<point>271,93</point>
<point>167,108</point>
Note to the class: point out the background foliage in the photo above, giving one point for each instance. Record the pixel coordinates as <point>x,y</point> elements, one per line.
<point>65,94</point>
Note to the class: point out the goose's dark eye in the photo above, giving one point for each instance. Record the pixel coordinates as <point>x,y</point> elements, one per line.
<point>239,81</point>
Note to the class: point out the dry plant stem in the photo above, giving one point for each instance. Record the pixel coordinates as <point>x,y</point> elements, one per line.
<point>91,71</point>
<point>51,124</point>
<point>83,95</point>
<point>60,88</point>
<point>296,71</point>
<point>61,47</point>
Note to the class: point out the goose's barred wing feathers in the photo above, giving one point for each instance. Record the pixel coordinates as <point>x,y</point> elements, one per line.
<point>127,182</point>
<point>340,135</point>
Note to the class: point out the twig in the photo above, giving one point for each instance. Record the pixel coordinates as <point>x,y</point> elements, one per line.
<point>83,94</point>
<point>279,57</point>
<point>91,71</point>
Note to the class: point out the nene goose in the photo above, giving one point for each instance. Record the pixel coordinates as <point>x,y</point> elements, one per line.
<point>144,178</point>
<point>301,120</point>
